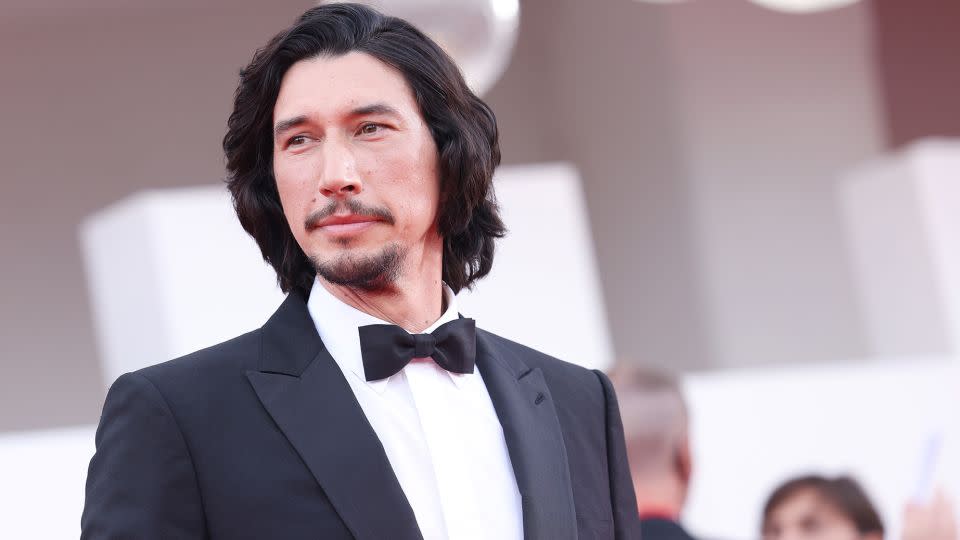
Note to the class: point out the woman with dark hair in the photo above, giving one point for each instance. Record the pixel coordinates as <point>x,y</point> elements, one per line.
<point>819,508</point>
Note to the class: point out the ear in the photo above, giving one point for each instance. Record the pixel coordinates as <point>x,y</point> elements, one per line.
<point>684,461</point>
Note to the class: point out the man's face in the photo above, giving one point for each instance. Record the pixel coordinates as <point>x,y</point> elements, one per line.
<point>356,170</point>
<point>806,516</point>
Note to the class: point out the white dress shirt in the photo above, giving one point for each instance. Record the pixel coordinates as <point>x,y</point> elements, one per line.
<point>439,429</point>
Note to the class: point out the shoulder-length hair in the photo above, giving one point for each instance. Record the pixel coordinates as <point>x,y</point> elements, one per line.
<point>463,128</point>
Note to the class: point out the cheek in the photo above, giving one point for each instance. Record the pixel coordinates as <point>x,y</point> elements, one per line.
<point>413,188</point>
<point>421,199</point>
<point>428,180</point>
<point>295,193</point>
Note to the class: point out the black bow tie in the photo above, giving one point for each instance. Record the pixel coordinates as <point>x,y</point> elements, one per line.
<point>387,348</point>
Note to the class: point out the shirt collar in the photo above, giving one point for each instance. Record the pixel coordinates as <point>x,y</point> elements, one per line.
<point>337,324</point>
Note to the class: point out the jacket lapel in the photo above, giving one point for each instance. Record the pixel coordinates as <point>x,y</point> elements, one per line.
<point>534,440</point>
<point>308,397</point>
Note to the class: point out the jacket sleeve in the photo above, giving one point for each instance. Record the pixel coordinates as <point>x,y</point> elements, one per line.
<point>141,481</point>
<point>626,517</point>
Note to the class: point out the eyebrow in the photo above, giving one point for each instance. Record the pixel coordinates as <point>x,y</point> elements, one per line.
<point>374,108</point>
<point>284,125</point>
<point>366,110</point>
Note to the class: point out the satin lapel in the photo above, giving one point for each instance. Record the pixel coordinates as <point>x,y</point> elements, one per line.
<point>308,397</point>
<point>534,441</point>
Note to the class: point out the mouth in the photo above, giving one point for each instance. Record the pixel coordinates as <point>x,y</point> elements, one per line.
<point>345,224</point>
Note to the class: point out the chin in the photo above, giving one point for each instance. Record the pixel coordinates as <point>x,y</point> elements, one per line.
<point>369,269</point>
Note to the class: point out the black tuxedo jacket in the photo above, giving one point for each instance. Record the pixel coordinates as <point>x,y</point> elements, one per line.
<point>261,437</point>
<point>663,529</point>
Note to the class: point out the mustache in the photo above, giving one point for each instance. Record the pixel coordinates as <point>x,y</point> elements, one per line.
<point>352,206</point>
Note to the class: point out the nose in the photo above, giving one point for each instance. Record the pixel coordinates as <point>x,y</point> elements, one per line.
<point>338,171</point>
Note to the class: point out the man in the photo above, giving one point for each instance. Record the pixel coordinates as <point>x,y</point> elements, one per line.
<point>365,408</point>
<point>658,447</point>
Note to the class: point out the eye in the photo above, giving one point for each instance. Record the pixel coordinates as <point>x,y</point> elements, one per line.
<point>296,140</point>
<point>370,128</point>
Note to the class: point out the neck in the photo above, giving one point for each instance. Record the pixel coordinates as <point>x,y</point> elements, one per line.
<point>659,496</point>
<point>413,301</point>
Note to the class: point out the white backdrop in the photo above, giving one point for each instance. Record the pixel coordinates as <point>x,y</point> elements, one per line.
<point>902,214</point>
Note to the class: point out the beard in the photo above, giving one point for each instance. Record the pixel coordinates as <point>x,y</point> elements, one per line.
<point>372,272</point>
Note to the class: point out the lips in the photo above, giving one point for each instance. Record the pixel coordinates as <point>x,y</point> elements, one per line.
<point>345,224</point>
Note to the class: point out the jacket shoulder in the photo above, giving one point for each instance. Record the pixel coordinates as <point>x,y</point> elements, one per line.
<point>552,367</point>
<point>233,356</point>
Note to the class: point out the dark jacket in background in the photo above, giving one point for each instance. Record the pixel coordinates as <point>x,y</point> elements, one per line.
<point>662,529</point>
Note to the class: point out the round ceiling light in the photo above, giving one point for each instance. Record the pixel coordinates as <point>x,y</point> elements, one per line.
<point>478,34</point>
<point>803,6</point>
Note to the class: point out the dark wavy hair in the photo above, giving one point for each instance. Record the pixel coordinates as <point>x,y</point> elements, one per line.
<point>463,128</point>
<point>843,493</point>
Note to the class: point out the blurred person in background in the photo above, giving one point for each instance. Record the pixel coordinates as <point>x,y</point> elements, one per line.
<point>819,508</point>
<point>655,424</point>
<point>362,165</point>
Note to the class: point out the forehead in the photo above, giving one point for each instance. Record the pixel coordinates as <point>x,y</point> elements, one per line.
<point>805,503</point>
<point>801,502</point>
<point>329,85</point>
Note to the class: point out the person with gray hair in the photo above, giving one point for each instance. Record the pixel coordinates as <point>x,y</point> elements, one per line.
<point>655,424</point>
